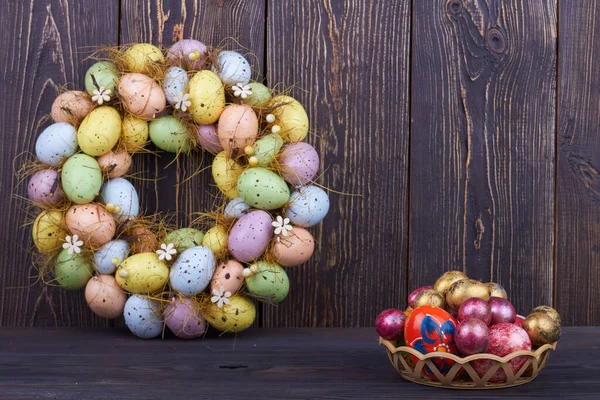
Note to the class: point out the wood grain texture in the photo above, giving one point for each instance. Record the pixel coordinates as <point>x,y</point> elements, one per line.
<point>483,142</point>
<point>348,61</point>
<point>44,43</point>
<point>578,238</point>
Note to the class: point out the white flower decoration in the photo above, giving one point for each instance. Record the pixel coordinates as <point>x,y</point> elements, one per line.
<point>166,252</point>
<point>220,297</point>
<point>101,96</point>
<point>73,244</point>
<point>241,90</point>
<point>282,226</point>
<point>183,103</point>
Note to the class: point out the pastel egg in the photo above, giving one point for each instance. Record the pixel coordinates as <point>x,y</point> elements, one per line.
<point>225,172</point>
<point>72,271</point>
<point>142,317</point>
<point>105,297</point>
<point>208,138</point>
<point>115,164</point>
<point>102,74</point>
<point>192,271</point>
<point>179,54</point>
<point>142,273</point>
<point>238,127</point>
<point>170,134</point>
<point>270,283</point>
<point>234,317</point>
<point>294,249</point>
<point>110,255</point>
<point>81,178</point>
<point>308,206</point>
<point>291,118</point>
<point>263,188</point>
<point>184,238</point>
<point>100,131</point>
<point>44,188</point>
<point>174,84</point>
<point>135,133</point>
<point>299,163</point>
<point>235,208</point>
<point>266,148</point>
<point>143,240</point>
<point>71,107</point>
<point>233,68</point>
<point>184,319</point>
<point>250,236</point>
<point>141,57</point>
<point>207,96</point>
<point>121,192</point>
<point>216,240</point>
<point>141,95</point>
<point>228,276</point>
<point>92,223</point>
<point>48,231</point>
<point>56,142</point>
<point>260,95</point>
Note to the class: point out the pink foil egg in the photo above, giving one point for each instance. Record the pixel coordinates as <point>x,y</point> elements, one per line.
<point>250,236</point>
<point>179,54</point>
<point>299,162</point>
<point>184,319</point>
<point>44,188</point>
<point>208,139</point>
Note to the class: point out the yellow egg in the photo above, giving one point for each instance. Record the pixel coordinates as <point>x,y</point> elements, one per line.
<point>207,96</point>
<point>99,132</point>
<point>236,316</point>
<point>291,118</point>
<point>225,172</point>
<point>141,56</point>
<point>134,133</point>
<point>216,240</point>
<point>48,231</point>
<point>142,273</point>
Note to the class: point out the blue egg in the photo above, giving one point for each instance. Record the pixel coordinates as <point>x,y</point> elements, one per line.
<point>308,206</point>
<point>103,257</point>
<point>235,208</point>
<point>233,68</point>
<point>175,83</point>
<point>192,270</point>
<point>120,191</point>
<point>56,142</point>
<point>142,317</point>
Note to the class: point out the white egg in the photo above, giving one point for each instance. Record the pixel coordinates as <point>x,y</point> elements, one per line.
<point>104,256</point>
<point>308,206</point>
<point>175,84</point>
<point>235,208</point>
<point>121,192</point>
<point>233,68</point>
<point>55,142</point>
<point>142,317</point>
<point>192,270</point>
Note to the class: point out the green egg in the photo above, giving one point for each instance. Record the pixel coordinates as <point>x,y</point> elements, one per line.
<point>102,74</point>
<point>270,282</point>
<point>72,271</point>
<point>81,178</point>
<point>263,189</point>
<point>185,238</point>
<point>170,134</point>
<point>260,95</point>
<point>266,148</point>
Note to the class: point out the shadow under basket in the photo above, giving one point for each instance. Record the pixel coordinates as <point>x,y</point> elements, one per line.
<point>462,375</point>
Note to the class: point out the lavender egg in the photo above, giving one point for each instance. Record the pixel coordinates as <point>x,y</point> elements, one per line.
<point>308,206</point>
<point>208,139</point>
<point>250,236</point>
<point>179,54</point>
<point>43,187</point>
<point>235,208</point>
<point>299,163</point>
<point>184,319</point>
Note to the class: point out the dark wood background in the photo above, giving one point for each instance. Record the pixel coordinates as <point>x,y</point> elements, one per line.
<point>467,129</point>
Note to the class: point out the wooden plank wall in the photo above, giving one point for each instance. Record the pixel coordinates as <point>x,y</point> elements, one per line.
<point>465,130</point>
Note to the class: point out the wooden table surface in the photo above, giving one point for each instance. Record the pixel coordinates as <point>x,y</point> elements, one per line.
<point>332,363</point>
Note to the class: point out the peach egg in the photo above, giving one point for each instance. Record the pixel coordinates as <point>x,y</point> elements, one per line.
<point>72,107</point>
<point>105,297</point>
<point>141,95</point>
<point>295,248</point>
<point>238,128</point>
<point>115,164</point>
<point>91,222</point>
<point>228,275</point>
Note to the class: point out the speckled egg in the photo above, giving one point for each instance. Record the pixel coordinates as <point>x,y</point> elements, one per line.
<point>228,276</point>
<point>175,84</point>
<point>94,225</point>
<point>142,273</point>
<point>105,297</point>
<point>235,208</point>
<point>262,188</point>
<point>179,54</point>
<point>192,271</point>
<point>48,231</point>
<point>44,188</point>
<point>141,95</point>
<point>208,139</point>
<point>308,206</point>
<point>143,240</point>
<point>184,238</point>
<point>170,134</point>
<point>72,271</point>
<point>184,319</point>
<point>216,240</point>
<point>207,96</point>
<point>141,57</point>
<point>225,172</point>
<point>260,95</point>
<point>266,148</point>
<point>234,317</point>
<point>110,255</point>
<point>81,178</point>
<point>100,131</point>
<point>115,164</point>
<point>299,163</point>
<point>270,283</point>
<point>250,236</point>
<point>238,128</point>
<point>233,68</point>
<point>291,118</point>
<point>102,74</point>
<point>294,249</point>
<point>135,133</point>
<point>121,192</point>
<point>142,317</point>
<point>56,142</point>
<point>71,107</point>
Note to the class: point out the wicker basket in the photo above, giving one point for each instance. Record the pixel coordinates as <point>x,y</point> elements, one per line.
<point>462,375</point>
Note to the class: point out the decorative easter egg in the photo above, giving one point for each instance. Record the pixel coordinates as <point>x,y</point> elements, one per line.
<point>390,323</point>
<point>464,289</point>
<point>48,231</point>
<point>294,249</point>
<point>115,164</point>
<point>208,139</point>
<point>207,96</point>
<point>502,311</point>
<point>496,290</point>
<point>143,240</point>
<point>235,208</point>
<point>550,311</point>
<point>170,134</point>
<point>141,95</point>
<point>81,178</point>
<point>413,295</point>
<point>308,206</point>
<point>175,84</point>
<point>110,255</point>
<point>233,68</point>
<point>216,240</point>
<point>238,128</point>
<point>91,222</point>
<point>142,317</point>
<point>184,238</point>
<point>184,319</point>
<point>142,273</point>
<point>188,54</point>
<point>260,95</point>
<point>266,148</point>
<point>100,131</point>
<point>519,320</point>
<point>135,133</point>
<point>446,280</point>
<point>475,308</point>
<point>192,271</point>
<point>72,271</point>
<point>105,297</point>
<point>472,336</point>
<point>225,172</point>
<point>228,276</point>
<point>299,163</point>
<point>71,107</point>
<point>56,142</point>
<point>250,236</point>
<point>291,117</point>
<point>121,192</point>
<point>263,188</point>
<point>44,188</point>
<point>270,283</point>
<point>234,317</point>
<point>541,328</point>
<point>141,57</point>
<point>102,74</point>
<point>429,297</point>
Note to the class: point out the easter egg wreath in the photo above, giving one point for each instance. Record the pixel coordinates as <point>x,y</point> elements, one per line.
<point>89,232</point>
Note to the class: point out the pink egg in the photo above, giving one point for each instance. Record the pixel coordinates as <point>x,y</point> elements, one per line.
<point>250,236</point>
<point>184,319</point>
<point>208,138</point>
<point>294,249</point>
<point>238,128</point>
<point>44,188</point>
<point>179,54</point>
<point>299,163</point>
<point>229,276</point>
<point>92,223</point>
